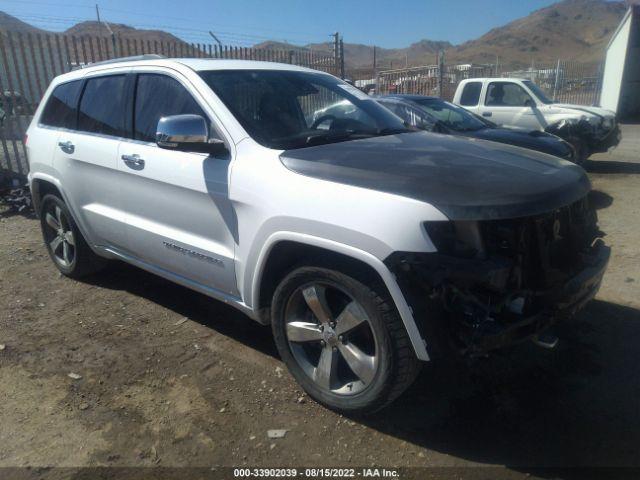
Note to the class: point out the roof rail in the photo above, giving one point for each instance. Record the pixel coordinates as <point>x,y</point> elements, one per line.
<point>146,56</point>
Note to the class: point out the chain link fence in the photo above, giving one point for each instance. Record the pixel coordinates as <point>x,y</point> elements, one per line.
<point>562,81</point>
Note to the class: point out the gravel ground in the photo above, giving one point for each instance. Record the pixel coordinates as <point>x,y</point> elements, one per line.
<point>166,377</point>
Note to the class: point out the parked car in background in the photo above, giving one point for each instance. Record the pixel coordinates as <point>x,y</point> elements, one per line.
<point>436,115</point>
<point>367,247</point>
<point>521,103</point>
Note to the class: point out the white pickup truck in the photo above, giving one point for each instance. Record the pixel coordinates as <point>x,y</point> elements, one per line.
<point>520,103</point>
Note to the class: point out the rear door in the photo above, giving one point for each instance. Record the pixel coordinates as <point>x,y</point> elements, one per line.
<point>507,103</point>
<point>470,96</point>
<point>180,218</point>
<point>86,159</point>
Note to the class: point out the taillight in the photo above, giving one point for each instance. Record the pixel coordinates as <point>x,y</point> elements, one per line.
<point>26,137</point>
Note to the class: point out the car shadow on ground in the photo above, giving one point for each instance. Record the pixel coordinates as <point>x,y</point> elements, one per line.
<point>611,166</point>
<point>216,315</point>
<point>600,200</point>
<point>576,405</point>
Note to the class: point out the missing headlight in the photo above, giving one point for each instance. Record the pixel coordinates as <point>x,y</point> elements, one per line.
<point>457,239</point>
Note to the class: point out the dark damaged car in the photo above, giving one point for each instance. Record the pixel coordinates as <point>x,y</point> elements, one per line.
<point>436,115</point>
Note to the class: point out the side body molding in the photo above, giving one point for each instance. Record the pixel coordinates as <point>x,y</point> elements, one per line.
<point>388,278</point>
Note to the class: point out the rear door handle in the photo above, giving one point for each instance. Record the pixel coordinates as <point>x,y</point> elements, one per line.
<point>486,114</point>
<point>67,147</point>
<point>133,161</point>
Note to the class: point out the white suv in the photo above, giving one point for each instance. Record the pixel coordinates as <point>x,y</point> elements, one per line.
<point>368,247</point>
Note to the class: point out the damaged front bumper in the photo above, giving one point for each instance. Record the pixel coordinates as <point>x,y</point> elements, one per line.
<point>598,139</point>
<point>522,276</point>
<point>607,140</point>
<point>552,305</point>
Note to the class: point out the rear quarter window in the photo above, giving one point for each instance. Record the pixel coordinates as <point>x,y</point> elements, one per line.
<point>471,94</point>
<point>61,107</point>
<point>102,107</point>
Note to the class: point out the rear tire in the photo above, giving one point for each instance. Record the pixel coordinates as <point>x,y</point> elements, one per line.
<point>342,340</point>
<point>67,248</point>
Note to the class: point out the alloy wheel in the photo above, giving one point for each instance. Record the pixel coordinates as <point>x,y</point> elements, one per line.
<point>331,338</point>
<point>59,236</point>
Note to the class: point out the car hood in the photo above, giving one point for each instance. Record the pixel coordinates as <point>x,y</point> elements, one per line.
<point>465,178</point>
<point>532,139</point>
<point>557,108</point>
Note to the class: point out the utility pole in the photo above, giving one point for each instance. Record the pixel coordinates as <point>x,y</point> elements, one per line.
<point>342,59</point>
<point>440,72</point>
<point>336,50</point>
<point>213,35</point>
<point>375,69</point>
<point>113,35</point>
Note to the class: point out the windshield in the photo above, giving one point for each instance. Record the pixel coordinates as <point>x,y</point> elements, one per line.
<point>452,116</point>
<point>537,91</point>
<point>288,109</point>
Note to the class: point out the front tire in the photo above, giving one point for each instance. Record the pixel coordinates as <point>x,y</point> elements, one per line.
<point>66,246</point>
<point>342,340</point>
<point>582,150</point>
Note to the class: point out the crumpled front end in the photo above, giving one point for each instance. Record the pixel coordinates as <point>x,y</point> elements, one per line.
<point>599,134</point>
<point>503,281</point>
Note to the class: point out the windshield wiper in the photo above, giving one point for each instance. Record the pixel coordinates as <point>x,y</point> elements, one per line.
<point>331,136</point>
<point>391,131</point>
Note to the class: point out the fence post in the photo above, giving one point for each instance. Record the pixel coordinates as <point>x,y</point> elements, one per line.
<point>336,52</point>
<point>341,58</point>
<point>555,85</point>
<point>440,73</point>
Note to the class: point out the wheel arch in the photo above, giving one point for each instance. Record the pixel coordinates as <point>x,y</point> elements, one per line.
<point>284,250</point>
<point>41,186</point>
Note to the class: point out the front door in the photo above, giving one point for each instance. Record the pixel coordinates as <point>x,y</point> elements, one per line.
<point>179,217</point>
<point>509,105</point>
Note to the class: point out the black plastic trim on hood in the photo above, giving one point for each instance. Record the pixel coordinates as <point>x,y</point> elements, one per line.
<point>466,179</point>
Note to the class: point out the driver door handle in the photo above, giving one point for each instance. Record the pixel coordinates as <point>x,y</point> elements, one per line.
<point>134,161</point>
<point>486,114</point>
<point>67,147</point>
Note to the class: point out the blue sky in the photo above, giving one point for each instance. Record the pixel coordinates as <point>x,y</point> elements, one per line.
<point>244,22</point>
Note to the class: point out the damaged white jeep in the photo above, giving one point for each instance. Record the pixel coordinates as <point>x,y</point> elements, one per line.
<point>367,247</point>
<point>520,103</point>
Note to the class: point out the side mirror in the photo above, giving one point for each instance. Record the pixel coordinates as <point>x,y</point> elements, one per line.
<point>187,133</point>
<point>529,103</point>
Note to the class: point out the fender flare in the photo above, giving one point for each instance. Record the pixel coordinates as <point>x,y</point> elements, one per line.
<point>406,314</point>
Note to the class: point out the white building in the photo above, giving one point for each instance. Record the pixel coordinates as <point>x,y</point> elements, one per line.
<point>621,81</point>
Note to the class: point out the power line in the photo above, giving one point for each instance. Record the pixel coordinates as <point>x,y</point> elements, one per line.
<point>147,15</point>
<point>188,36</point>
<point>48,20</point>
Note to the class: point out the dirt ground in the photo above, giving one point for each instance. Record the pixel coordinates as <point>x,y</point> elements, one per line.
<point>170,378</point>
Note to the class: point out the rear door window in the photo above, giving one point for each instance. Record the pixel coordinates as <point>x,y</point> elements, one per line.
<point>62,107</point>
<point>471,94</point>
<point>159,96</point>
<point>102,107</point>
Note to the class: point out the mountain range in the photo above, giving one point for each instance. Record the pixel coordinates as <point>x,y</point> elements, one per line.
<point>567,30</point>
